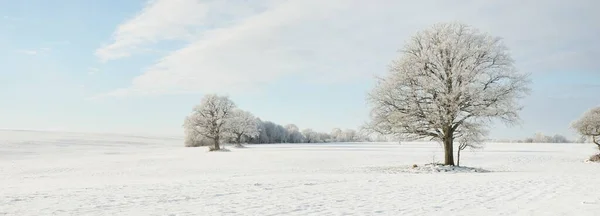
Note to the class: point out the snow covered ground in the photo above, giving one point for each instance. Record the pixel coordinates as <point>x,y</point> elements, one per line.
<point>50,173</point>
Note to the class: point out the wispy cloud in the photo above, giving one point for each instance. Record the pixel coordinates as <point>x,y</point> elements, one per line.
<point>93,70</point>
<point>159,20</point>
<point>10,18</point>
<point>239,46</point>
<point>28,52</point>
<point>34,51</point>
<point>172,20</point>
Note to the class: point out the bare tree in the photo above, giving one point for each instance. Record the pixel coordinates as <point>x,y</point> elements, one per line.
<point>242,123</point>
<point>589,125</point>
<point>471,136</point>
<point>209,117</point>
<point>447,76</point>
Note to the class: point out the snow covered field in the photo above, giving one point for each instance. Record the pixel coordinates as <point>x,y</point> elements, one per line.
<point>49,173</point>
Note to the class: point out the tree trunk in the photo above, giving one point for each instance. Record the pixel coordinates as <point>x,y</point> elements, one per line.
<point>239,140</point>
<point>596,142</point>
<point>458,157</point>
<point>448,150</point>
<point>216,140</point>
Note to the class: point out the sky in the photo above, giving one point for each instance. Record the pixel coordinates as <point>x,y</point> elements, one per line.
<point>139,66</point>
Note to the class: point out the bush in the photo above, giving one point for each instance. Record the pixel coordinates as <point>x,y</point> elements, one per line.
<point>595,158</point>
<point>197,142</point>
<point>192,143</point>
<point>239,146</point>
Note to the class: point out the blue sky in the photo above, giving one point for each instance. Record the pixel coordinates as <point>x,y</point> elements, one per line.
<point>139,66</point>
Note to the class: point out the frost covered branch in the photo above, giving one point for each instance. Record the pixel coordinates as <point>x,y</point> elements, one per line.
<point>240,124</point>
<point>470,136</point>
<point>589,125</point>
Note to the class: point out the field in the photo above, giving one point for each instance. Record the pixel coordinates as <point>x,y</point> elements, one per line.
<point>51,173</point>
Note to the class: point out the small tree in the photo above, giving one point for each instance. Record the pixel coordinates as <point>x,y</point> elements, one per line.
<point>559,139</point>
<point>581,139</point>
<point>349,135</point>
<point>589,125</point>
<point>208,119</point>
<point>310,136</point>
<point>282,134</point>
<point>541,138</point>
<point>323,137</point>
<point>472,136</point>
<point>336,135</point>
<point>293,133</point>
<point>263,137</point>
<point>275,133</point>
<point>240,124</point>
<point>192,139</point>
<point>448,76</point>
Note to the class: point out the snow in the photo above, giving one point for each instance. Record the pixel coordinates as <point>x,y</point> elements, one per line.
<point>51,173</point>
<point>429,168</point>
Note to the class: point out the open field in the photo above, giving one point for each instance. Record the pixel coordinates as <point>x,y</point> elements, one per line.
<point>49,173</point>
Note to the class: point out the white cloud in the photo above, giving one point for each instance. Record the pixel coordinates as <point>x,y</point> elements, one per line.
<point>325,41</point>
<point>172,20</point>
<point>159,20</point>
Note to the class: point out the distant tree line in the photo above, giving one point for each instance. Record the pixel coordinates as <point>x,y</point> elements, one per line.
<point>542,138</point>
<point>270,133</point>
<point>217,120</point>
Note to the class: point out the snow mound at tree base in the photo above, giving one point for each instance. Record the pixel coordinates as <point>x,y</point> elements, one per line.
<point>593,159</point>
<point>211,149</point>
<point>429,168</point>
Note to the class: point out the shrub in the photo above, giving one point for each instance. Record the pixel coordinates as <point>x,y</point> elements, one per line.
<point>192,143</point>
<point>239,146</point>
<point>197,142</point>
<point>222,149</point>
